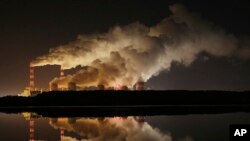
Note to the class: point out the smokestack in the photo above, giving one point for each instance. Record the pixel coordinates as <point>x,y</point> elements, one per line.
<point>139,85</point>
<point>61,75</point>
<point>32,76</point>
<point>61,71</point>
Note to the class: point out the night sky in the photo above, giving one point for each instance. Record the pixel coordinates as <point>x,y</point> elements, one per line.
<point>29,28</point>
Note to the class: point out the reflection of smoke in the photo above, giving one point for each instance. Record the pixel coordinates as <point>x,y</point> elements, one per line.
<point>126,54</point>
<point>110,129</point>
<point>67,138</point>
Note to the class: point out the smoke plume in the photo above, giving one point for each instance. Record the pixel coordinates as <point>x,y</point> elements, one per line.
<point>129,53</point>
<point>111,129</point>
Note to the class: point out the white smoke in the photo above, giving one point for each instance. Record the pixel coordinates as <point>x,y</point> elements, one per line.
<point>110,129</point>
<point>127,54</point>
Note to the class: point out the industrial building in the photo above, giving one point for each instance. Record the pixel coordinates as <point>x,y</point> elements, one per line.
<point>32,90</point>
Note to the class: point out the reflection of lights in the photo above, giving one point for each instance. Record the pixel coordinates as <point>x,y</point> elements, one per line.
<point>109,128</point>
<point>118,86</point>
<point>31,130</point>
<point>118,118</point>
<point>61,133</point>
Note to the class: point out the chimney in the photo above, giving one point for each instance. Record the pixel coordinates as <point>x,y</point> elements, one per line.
<point>32,76</point>
<point>61,71</point>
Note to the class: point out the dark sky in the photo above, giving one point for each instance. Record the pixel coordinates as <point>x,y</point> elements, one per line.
<point>29,28</point>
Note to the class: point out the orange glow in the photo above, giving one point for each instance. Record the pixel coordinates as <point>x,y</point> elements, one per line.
<point>118,86</point>
<point>118,118</point>
<point>31,65</point>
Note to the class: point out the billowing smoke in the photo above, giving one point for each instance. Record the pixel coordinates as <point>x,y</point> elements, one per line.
<point>111,129</point>
<point>127,54</point>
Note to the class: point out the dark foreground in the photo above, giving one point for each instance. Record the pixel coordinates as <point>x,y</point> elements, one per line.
<point>124,103</point>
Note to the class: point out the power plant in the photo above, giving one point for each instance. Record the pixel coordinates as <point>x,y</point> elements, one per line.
<point>32,90</point>
<point>63,124</point>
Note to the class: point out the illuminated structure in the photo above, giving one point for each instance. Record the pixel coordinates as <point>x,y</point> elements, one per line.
<point>55,86</point>
<point>32,77</point>
<point>72,86</point>
<point>61,71</point>
<point>31,90</point>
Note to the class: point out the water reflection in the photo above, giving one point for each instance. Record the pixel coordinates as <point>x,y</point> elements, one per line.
<point>31,127</point>
<point>131,128</point>
<point>109,129</point>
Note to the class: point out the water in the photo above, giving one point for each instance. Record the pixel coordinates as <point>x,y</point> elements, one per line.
<point>212,127</point>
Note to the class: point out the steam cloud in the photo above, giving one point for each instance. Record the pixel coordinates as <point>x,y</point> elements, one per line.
<point>110,129</point>
<point>127,54</point>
